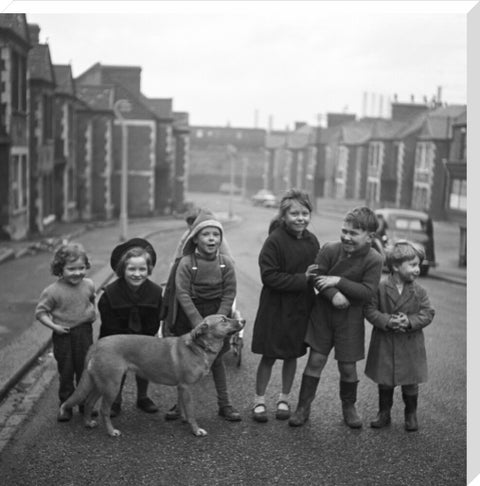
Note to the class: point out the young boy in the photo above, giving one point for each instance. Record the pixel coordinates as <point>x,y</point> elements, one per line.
<point>399,311</point>
<point>349,272</point>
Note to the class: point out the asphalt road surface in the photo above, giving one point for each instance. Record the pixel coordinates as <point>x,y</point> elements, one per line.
<point>323,452</point>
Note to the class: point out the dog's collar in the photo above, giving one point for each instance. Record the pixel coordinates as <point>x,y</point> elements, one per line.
<point>205,347</point>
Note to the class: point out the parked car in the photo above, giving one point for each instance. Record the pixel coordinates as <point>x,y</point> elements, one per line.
<point>266,198</point>
<point>416,226</point>
<point>225,188</point>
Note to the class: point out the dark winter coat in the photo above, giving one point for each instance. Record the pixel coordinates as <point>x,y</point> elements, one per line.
<point>125,312</point>
<point>397,358</point>
<point>287,296</point>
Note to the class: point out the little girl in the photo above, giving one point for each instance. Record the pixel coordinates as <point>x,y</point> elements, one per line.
<point>131,305</point>
<point>399,311</point>
<point>286,267</point>
<point>67,306</point>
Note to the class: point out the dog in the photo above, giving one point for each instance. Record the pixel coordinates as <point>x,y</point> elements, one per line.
<point>175,361</point>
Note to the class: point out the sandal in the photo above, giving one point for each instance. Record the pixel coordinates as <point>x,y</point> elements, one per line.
<point>282,413</point>
<point>259,413</point>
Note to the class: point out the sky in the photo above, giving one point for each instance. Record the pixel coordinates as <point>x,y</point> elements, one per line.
<point>267,64</point>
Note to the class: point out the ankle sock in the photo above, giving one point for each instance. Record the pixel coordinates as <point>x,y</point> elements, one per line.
<point>282,397</point>
<point>259,400</point>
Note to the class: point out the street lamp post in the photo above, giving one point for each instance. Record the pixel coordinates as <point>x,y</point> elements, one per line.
<point>123,106</point>
<point>232,152</point>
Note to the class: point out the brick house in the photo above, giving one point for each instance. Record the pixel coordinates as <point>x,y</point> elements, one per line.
<point>456,192</point>
<point>14,155</point>
<point>142,137</point>
<point>432,148</point>
<point>41,84</point>
<point>65,141</point>
<point>94,151</point>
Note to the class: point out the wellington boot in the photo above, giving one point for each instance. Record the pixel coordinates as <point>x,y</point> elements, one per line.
<point>385,402</point>
<point>348,395</point>
<point>383,419</point>
<point>308,389</point>
<point>411,423</point>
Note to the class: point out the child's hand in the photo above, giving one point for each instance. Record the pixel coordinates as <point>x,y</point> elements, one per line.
<point>326,281</point>
<point>311,271</point>
<point>340,301</point>
<point>403,321</point>
<point>61,330</point>
<point>393,324</point>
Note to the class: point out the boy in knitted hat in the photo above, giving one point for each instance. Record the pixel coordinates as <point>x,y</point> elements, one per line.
<point>205,284</point>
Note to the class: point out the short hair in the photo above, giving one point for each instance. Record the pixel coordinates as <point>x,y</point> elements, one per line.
<point>362,218</point>
<point>403,251</point>
<point>66,253</point>
<point>292,195</point>
<point>136,251</point>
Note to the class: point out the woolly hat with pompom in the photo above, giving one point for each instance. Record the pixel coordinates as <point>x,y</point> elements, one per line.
<point>205,219</point>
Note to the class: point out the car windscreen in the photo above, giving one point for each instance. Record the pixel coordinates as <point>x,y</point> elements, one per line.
<point>408,224</point>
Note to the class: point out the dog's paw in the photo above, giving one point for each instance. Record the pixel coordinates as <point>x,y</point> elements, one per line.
<point>91,424</point>
<point>200,432</point>
<point>115,433</point>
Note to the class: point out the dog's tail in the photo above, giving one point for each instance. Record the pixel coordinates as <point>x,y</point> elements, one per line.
<point>84,387</point>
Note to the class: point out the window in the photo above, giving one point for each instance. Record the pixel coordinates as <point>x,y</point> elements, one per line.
<point>19,82</point>
<point>47,117</point>
<point>458,194</point>
<point>19,181</point>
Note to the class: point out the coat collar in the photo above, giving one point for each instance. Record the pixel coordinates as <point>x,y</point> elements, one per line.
<point>398,300</point>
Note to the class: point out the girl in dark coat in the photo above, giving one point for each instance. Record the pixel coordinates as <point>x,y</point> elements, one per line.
<point>131,305</point>
<point>286,299</point>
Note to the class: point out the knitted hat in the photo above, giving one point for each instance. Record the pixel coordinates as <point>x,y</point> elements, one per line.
<point>205,219</point>
<point>120,250</point>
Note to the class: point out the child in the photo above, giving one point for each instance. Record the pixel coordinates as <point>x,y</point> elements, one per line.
<point>131,305</point>
<point>399,311</point>
<point>205,284</point>
<point>349,273</point>
<point>67,306</point>
<point>286,300</point>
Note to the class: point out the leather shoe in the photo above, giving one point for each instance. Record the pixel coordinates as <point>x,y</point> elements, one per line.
<point>64,415</point>
<point>284,412</point>
<point>229,413</point>
<point>147,405</point>
<point>259,413</point>
<point>173,413</point>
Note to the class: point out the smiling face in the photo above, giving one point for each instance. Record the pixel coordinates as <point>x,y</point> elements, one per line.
<point>208,241</point>
<point>297,217</point>
<point>407,271</point>
<point>354,239</point>
<point>136,271</point>
<point>74,271</point>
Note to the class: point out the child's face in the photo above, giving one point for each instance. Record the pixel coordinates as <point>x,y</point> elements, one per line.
<point>297,217</point>
<point>208,240</point>
<point>408,271</point>
<point>354,239</point>
<point>74,271</point>
<point>136,271</point>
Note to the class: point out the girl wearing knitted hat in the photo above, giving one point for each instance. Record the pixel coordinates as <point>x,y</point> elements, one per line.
<point>131,305</point>
<point>205,284</point>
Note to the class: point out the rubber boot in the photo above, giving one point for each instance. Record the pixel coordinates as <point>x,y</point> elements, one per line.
<point>411,423</point>
<point>348,395</point>
<point>308,389</point>
<point>385,402</point>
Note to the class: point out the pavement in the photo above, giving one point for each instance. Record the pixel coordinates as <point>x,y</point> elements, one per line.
<point>26,364</point>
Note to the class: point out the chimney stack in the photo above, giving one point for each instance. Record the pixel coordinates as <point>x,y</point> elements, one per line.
<point>34,33</point>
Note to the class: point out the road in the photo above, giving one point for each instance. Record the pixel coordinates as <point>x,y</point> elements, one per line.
<point>323,452</point>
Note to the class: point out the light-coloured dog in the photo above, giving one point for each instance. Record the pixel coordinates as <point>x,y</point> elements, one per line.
<point>175,361</point>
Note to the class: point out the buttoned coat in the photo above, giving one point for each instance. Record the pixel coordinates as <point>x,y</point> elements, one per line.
<point>287,295</point>
<point>398,358</point>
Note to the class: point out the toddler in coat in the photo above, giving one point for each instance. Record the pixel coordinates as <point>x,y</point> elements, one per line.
<point>399,311</point>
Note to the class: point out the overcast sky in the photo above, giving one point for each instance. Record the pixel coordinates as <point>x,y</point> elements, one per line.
<point>242,62</point>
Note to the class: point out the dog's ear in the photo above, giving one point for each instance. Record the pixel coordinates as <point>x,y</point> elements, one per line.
<point>199,330</point>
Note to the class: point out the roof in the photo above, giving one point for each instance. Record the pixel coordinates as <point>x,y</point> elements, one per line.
<point>40,64</point>
<point>96,97</point>
<point>64,79</point>
<point>274,140</point>
<point>16,25</point>
<point>180,120</point>
<point>162,107</point>
<point>300,138</point>
<point>438,123</point>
